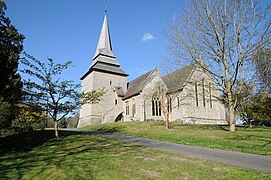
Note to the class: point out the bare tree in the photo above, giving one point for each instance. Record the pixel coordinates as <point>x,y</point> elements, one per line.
<point>165,99</point>
<point>158,94</point>
<point>225,34</point>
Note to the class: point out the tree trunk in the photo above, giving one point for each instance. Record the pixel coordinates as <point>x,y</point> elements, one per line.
<point>56,130</point>
<point>167,120</point>
<point>231,111</point>
<point>232,119</point>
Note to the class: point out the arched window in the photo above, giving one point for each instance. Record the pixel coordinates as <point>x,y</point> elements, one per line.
<point>127,109</point>
<point>134,109</point>
<point>156,106</point>
<point>169,105</point>
<point>178,102</point>
<point>196,94</point>
<point>210,93</point>
<point>203,93</point>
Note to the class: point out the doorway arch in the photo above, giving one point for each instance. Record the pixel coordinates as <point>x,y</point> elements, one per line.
<point>119,117</point>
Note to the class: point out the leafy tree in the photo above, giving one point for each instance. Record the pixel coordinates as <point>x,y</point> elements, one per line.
<point>244,108</point>
<point>262,60</point>
<point>256,108</point>
<point>57,97</point>
<point>28,118</point>
<point>10,49</point>
<point>225,35</point>
<point>261,108</point>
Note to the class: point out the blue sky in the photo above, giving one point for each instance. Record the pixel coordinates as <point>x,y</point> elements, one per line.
<point>69,30</point>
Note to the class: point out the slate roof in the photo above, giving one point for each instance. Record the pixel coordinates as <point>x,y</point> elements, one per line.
<point>104,44</point>
<point>105,67</point>
<point>136,85</point>
<point>176,80</point>
<point>109,68</point>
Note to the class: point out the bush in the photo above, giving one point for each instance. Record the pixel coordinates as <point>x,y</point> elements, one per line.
<point>28,118</point>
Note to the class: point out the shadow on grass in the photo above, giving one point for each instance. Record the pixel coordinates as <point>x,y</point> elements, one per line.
<point>27,141</point>
<point>36,154</point>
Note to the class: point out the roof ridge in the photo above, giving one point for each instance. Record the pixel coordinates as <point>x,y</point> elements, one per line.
<point>182,75</point>
<point>136,84</point>
<point>179,69</point>
<point>140,76</point>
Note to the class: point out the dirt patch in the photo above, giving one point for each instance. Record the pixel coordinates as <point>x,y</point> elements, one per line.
<point>178,158</point>
<point>149,159</point>
<point>152,173</point>
<point>217,169</point>
<point>139,157</point>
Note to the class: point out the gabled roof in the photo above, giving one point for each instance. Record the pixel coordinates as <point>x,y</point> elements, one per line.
<point>135,86</point>
<point>176,80</point>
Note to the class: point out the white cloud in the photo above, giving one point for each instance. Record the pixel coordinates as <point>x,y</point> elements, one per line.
<point>147,37</point>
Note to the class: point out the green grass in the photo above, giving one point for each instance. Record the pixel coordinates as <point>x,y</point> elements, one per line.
<point>250,140</point>
<point>38,155</point>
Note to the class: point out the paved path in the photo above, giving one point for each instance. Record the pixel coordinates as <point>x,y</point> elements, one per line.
<point>243,160</point>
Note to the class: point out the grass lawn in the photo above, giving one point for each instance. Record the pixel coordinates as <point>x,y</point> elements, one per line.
<point>250,140</point>
<point>37,155</point>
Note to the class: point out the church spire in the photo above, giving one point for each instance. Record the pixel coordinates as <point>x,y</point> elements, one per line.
<point>104,46</point>
<point>104,60</point>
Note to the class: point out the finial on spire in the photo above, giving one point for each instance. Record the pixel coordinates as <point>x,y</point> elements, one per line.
<point>105,11</point>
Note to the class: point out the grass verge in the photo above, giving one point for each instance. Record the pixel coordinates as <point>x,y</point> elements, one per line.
<point>250,140</point>
<point>38,155</point>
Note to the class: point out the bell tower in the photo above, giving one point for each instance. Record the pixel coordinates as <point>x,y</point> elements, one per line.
<point>104,72</point>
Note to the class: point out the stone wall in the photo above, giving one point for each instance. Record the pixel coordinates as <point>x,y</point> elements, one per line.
<point>106,109</point>
<point>212,112</point>
<point>184,106</point>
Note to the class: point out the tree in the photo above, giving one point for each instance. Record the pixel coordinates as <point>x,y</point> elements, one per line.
<point>162,100</point>
<point>57,97</point>
<point>256,108</point>
<point>73,120</point>
<point>261,108</point>
<point>225,35</point>
<point>10,49</point>
<point>28,117</point>
<point>262,61</point>
<point>244,108</point>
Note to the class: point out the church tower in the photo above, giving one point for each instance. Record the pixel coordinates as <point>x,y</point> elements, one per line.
<point>104,72</point>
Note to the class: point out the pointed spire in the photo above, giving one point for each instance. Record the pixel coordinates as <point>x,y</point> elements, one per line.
<point>104,44</point>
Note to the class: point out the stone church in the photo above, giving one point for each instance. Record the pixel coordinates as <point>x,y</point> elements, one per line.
<point>192,92</point>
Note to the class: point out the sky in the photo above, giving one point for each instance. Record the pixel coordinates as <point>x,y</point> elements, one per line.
<point>69,30</point>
